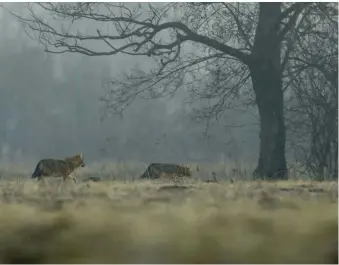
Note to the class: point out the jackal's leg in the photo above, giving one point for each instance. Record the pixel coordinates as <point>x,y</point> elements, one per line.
<point>74,179</point>
<point>41,182</point>
<point>180,180</point>
<point>65,177</point>
<point>70,176</point>
<point>175,178</point>
<point>168,176</point>
<point>60,184</point>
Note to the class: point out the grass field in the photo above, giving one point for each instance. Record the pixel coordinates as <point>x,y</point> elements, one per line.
<point>145,222</point>
<point>123,220</point>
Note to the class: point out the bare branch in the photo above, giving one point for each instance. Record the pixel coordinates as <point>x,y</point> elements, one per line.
<point>146,29</point>
<point>291,43</point>
<point>298,8</point>
<point>331,76</point>
<point>240,28</point>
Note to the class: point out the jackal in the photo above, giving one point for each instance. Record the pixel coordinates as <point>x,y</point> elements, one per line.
<point>58,167</point>
<point>171,171</point>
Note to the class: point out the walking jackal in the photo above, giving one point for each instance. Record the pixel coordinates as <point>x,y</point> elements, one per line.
<point>171,171</point>
<point>58,167</point>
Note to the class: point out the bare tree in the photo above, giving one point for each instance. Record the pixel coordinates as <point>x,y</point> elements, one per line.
<point>249,41</point>
<point>312,111</point>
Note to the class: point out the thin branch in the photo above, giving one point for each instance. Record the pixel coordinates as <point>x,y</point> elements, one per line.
<point>240,28</point>
<point>298,8</point>
<point>146,29</point>
<point>290,43</point>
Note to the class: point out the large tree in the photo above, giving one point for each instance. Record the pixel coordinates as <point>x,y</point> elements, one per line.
<point>250,41</point>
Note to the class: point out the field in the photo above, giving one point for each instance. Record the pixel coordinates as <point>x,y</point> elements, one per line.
<point>131,221</point>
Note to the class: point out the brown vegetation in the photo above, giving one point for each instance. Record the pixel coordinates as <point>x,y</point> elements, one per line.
<point>146,222</point>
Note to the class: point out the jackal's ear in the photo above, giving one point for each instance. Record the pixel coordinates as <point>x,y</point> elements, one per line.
<point>80,155</point>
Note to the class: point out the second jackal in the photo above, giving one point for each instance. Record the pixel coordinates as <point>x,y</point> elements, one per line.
<point>157,170</point>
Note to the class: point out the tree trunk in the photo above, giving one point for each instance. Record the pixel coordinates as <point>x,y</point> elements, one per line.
<point>265,68</point>
<point>335,160</point>
<point>269,98</point>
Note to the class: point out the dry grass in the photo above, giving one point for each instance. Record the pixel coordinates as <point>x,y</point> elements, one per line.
<point>145,222</point>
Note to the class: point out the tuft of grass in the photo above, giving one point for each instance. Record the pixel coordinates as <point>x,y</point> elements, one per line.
<point>146,222</point>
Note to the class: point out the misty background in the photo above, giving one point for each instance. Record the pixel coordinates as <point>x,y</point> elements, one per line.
<point>50,107</point>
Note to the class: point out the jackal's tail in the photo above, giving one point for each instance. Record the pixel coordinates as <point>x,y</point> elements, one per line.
<point>146,174</point>
<point>37,172</point>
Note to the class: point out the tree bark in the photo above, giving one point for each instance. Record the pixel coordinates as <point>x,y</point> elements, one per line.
<point>335,175</point>
<point>269,98</point>
<point>265,68</point>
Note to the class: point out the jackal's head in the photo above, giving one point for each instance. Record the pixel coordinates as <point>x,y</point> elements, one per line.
<point>186,171</point>
<point>77,160</point>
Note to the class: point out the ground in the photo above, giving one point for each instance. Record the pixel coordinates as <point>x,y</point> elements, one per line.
<point>118,221</point>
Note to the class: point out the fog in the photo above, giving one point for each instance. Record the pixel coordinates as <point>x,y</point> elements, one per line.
<point>49,107</point>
